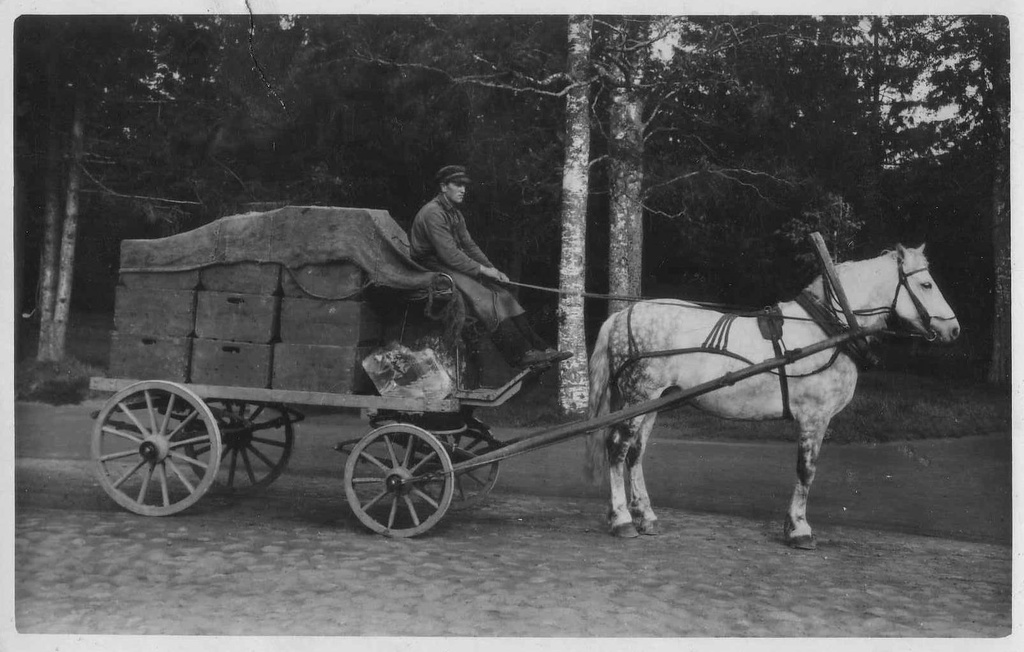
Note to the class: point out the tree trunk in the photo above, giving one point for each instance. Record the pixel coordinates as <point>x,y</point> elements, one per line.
<point>999,366</point>
<point>51,226</point>
<point>48,255</point>
<point>626,176</point>
<point>67,245</point>
<point>871,185</point>
<point>573,382</point>
<point>626,154</point>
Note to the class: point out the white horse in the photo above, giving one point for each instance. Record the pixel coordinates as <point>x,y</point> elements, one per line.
<point>653,346</point>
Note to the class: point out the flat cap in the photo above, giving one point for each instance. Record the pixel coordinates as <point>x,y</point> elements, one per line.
<point>452,173</point>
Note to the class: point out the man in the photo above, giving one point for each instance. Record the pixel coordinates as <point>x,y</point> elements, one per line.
<point>440,241</point>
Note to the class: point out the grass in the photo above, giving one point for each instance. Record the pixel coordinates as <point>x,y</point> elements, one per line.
<point>890,405</point>
<point>918,396</point>
<point>67,381</point>
<point>57,383</point>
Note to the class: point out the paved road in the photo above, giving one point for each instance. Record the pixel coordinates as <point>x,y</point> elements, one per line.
<point>535,559</point>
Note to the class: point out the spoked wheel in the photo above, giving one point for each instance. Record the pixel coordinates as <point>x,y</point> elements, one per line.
<point>257,443</point>
<point>398,480</point>
<point>472,486</point>
<point>144,445</point>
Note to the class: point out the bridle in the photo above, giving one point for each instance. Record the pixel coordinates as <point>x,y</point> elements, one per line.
<point>922,312</point>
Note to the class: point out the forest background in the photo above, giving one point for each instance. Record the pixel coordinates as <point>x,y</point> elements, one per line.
<point>749,132</point>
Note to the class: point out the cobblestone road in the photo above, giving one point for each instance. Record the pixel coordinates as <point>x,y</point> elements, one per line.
<point>294,561</point>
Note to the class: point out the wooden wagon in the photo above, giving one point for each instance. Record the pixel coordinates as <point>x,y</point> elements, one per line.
<point>223,332</point>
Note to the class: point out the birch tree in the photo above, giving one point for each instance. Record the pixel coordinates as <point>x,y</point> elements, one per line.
<point>626,153</point>
<point>69,235</point>
<point>573,385</point>
<point>48,256</point>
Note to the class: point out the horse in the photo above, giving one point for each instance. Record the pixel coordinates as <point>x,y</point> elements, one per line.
<point>656,346</point>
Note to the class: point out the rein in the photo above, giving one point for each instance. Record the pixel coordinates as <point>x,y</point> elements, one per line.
<point>623,297</point>
<point>725,307</point>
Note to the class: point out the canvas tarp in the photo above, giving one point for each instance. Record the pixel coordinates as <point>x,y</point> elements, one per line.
<point>293,236</point>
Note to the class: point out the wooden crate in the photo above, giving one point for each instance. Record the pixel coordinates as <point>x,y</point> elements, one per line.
<point>331,281</point>
<point>244,278</point>
<point>339,323</point>
<point>160,280</point>
<point>321,368</point>
<point>143,357</point>
<point>152,312</point>
<point>236,364</point>
<point>236,317</point>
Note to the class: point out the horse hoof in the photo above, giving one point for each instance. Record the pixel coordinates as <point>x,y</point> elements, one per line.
<point>625,531</point>
<point>803,542</point>
<point>649,528</point>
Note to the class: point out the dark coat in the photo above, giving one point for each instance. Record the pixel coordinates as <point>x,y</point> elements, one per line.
<point>439,239</point>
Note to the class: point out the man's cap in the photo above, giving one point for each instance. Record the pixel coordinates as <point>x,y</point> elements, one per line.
<point>452,173</point>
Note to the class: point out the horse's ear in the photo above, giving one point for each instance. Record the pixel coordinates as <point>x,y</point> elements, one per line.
<point>901,252</point>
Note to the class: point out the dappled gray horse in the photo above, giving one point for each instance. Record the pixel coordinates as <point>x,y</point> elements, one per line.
<point>654,346</point>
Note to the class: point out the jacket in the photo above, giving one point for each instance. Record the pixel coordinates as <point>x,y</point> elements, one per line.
<point>439,239</point>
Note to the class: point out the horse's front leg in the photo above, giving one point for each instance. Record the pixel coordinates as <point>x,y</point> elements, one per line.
<point>797,530</point>
<point>640,503</point>
<point>618,445</point>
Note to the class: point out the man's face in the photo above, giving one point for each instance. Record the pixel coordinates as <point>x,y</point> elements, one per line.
<point>454,191</point>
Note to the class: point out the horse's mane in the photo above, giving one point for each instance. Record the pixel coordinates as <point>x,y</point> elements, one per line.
<point>816,286</point>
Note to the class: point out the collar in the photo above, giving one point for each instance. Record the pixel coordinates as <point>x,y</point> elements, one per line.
<point>445,203</point>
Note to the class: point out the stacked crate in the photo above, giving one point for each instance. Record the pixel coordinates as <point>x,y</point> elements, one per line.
<point>154,315</point>
<point>236,325</point>
<point>326,330</point>
<point>247,325</point>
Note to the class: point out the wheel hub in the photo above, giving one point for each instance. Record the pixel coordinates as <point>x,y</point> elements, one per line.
<point>154,449</point>
<point>237,438</point>
<point>236,432</point>
<point>395,484</point>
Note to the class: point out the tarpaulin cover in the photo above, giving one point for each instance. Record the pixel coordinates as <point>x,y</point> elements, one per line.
<point>292,236</point>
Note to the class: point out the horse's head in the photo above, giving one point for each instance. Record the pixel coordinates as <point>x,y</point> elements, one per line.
<point>919,301</point>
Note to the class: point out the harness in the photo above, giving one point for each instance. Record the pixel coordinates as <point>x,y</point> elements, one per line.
<point>770,322</point>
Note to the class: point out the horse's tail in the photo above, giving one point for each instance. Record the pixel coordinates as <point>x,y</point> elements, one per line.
<point>600,404</point>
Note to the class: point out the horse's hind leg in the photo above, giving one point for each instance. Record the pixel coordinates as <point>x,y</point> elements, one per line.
<point>619,443</point>
<point>640,503</point>
<point>797,530</point>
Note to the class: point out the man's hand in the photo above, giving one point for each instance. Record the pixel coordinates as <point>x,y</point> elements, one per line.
<point>493,273</point>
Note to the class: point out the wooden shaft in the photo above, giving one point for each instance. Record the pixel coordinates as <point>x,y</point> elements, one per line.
<point>577,428</point>
<point>833,279</point>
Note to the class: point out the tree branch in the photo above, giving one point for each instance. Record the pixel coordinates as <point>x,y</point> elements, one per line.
<point>114,193</point>
<point>487,81</point>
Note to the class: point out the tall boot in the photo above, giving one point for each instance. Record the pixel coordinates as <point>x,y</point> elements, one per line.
<point>510,342</point>
<point>536,342</point>
<point>539,352</point>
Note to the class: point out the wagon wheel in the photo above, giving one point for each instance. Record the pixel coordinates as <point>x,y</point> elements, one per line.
<point>472,486</point>
<point>398,480</point>
<point>141,447</point>
<point>257,443</point>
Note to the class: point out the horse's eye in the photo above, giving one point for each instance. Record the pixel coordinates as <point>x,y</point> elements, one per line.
<point>927,285</point>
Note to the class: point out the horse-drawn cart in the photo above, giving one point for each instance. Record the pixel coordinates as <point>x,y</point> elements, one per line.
<point>160,444</point>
